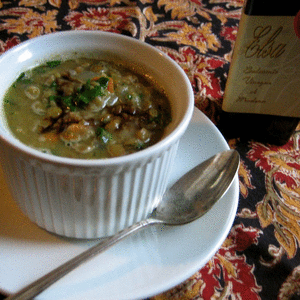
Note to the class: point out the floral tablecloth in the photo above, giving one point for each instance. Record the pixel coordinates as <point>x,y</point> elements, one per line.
<point>260,259</point>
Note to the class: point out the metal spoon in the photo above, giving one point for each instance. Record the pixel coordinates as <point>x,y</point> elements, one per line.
<point>188,199</point>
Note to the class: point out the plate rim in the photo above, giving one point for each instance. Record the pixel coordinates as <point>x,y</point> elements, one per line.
<point>188,272</point>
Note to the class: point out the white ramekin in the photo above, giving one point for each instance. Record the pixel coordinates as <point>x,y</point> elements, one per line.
<point>92,198</point>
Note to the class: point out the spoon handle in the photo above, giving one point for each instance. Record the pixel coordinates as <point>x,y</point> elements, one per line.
<point>42,283</point>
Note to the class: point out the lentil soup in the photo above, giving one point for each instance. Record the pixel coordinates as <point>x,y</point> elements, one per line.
<point>86,108</point>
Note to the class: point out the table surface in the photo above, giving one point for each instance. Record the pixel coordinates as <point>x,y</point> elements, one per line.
<point>260,259</point>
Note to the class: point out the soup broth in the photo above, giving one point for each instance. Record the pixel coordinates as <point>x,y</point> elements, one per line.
<point>86,108</point>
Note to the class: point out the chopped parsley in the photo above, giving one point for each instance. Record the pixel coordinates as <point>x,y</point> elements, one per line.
<point>83,96</point>
<point>21,76</point>
<point>103,135</point>
<point>53,63</point>
<point>140,146</point>
<point>22,79</point>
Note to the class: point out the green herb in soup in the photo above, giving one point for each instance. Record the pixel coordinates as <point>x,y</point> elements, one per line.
<point>86,108</point>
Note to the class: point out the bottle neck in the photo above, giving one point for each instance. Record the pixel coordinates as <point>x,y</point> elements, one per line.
<point>272,8</point>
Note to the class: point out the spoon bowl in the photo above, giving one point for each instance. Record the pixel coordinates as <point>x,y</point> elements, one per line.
<point>198,190</point>
<point>189,198</point>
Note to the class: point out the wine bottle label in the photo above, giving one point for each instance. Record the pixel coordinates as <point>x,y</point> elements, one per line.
<point>264,76</point>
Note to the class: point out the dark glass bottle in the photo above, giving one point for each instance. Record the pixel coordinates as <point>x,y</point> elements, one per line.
<point>262,95</point>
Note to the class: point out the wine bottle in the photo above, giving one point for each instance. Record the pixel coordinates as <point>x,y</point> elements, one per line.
<point>262,93</point>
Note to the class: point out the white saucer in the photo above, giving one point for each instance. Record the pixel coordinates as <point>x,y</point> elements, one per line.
<point>141,266</point>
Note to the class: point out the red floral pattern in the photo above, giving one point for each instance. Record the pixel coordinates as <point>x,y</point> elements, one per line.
<point>280,205</point>
<point>9,43</point>
<point>99,19</point>
<point>237,275</point>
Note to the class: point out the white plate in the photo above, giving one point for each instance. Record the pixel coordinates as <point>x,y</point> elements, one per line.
<point>148,263</point>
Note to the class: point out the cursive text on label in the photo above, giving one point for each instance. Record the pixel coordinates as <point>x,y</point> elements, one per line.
<point>265,43</point>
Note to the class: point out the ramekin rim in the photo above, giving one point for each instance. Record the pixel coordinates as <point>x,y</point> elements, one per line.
<point>83,162</point>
